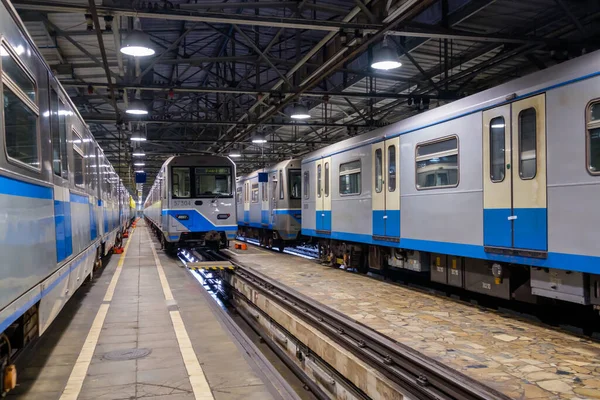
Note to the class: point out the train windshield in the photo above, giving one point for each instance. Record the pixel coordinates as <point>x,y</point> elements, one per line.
<point>295,179</point>
<point>212,181</point>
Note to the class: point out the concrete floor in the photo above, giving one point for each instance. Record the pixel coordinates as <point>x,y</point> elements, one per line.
<point>140,317</point>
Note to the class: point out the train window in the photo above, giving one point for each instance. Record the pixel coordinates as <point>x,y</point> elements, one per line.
<point>62,128</point>
<point>392,168</point>
<point>319,180</point>
<point>181,182</point>
<point>20,112</point>
<point>350,178</point>
<point>378,170</point>
<point>238,195</point>
<point>593,138</point>
<point>527,144</point>
<point>92,171</point>
<point>306,185</point>
<point>326,179</point>
<point>56,163</point>
<point>264,187</point>
<point>17,75</point>
<point>212,181</point>
<point>78,158</point>
<point>255,192</point>
<point>437,164</point>
<point>295,182</point>
<point>497,151</point>
<point>281,192</point>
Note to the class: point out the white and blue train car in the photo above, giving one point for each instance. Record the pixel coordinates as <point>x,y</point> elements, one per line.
<point>270,211</point>
<point>62,206</point>
<point>496,193</point>
<point>192,202</point>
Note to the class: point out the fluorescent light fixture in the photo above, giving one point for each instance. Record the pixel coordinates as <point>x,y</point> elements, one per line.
<point>259,139</point>
<point>385,58</point>
<point>300,112</point>
<point>138,137</point>
<point>498,125</point>
<point>139,164</point>
<point>137,107</point>
<point>138,153</point>
<point>235,154</point>
<point>137,44</point>
<point>140,171</point>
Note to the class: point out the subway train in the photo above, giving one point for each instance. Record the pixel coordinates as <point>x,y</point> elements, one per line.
<point>268,204</point>
<point>62,206</point>
<point>496,193</point>
<point>191,202</point>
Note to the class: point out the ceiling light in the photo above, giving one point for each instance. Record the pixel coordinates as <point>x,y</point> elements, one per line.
<point>139,164</point>
<point>137,107</point>
<point>137,44</point>
<point>138,153</point>
<point>300,112</point>
<point>259,139</point>
<point>138,137</point>
<point>385,58</point>
<point>498,125</point>
<point>141,171</point>
<point>235,154</point>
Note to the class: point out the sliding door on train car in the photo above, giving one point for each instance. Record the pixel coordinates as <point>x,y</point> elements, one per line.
<point>323,195</point>
<point>514,176</point>
<point>386,189</point>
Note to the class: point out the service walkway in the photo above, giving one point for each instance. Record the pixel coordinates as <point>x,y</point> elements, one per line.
<point>146,329</point>
<point>520,359</point>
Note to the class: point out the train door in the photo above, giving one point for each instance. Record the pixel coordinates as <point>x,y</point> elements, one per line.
<point>247,202</point>
<point>514,176</point>
<point>323,195</point>
<point>273,197</point>
<point>386,188</point>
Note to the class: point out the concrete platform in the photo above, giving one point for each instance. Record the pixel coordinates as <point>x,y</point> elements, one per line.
<point>516,357</point>
<point>144,329</point>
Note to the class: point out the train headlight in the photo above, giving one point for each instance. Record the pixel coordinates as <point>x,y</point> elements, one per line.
<point>223,216</point>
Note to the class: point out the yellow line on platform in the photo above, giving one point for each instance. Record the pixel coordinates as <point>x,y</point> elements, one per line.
<point>79,372</point>
<point>198,380</point>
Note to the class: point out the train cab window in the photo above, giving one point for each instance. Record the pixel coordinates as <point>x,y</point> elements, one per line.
<point>350,178</point>
<point>527,144</point>
<point>593,138</point>
<point>437,164</point>
<point>378,170</point>
<point>20,112</point>
<point>281,187</point>
<point>319,180</point>
<point>295,182</point>
<point>255,192</point>
<point>212,181</point>
<point>306,185</point>
<point>497,151</point>
<point>326,179</point>
<point>181,182</point>
<point>392,168</point>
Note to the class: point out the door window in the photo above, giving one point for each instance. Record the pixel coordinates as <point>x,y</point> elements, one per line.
<point>378,170</point>
<point>319,180</point>
<point>306,185</point>
<point>497,150</point>
<point>392,168</point>
<point>326,179</point>
<point>527,144</point>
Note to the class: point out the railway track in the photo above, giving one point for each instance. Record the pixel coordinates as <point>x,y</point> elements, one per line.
<point>417,376</point>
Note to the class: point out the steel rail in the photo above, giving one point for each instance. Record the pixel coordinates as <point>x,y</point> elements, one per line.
<point>420,376</point>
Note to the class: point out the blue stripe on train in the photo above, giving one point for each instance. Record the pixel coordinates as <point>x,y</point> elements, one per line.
<point>64,236</point>
<point>15,187</point>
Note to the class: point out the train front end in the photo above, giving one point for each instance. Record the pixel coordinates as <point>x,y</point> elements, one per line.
<point>201,207</point>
